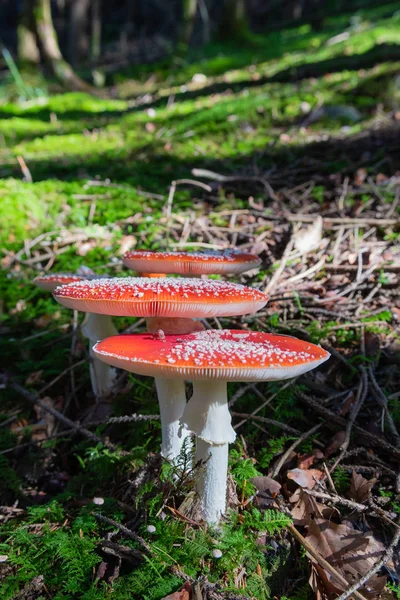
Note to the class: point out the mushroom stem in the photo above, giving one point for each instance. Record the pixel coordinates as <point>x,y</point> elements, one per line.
<point>172,400</point>
<point>211,484</point>
<point>207,415</point>
<point>102,376</point>
<point>171,393</point>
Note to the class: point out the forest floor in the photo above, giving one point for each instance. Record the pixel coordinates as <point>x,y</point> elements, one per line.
<point>291,145</point>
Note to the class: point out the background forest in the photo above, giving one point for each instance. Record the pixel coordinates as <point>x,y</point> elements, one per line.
<point>266,126</point>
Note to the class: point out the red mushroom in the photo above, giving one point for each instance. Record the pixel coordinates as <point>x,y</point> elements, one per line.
<point>226,262</point>
<point>167,303</point>
<point>210,359</point>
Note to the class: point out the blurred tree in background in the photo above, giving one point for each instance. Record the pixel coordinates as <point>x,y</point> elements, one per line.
<point>95,37</point>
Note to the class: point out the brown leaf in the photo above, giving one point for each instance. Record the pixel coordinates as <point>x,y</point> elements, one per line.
<point>361,176</point>
<point>33,378</point>
<point>184,594</point>
<point>307,508</point>
<point>306,460</point>
<point>126,243</point>
<point>360,487</point>
<point>335,443</point>
<point>351,552</point>
<point>48,419</point>
<point>43,321</point>
<point>372,343</point>
<point>266,484</point>
<point>268,489</point>
<point>321,584</point>
<point>305,478</point>
<point>347,404</point>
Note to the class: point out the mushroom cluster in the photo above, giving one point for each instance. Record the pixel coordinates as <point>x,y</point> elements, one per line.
<point>177,347</point>
<point>169,306</point>
<point>210,359</point>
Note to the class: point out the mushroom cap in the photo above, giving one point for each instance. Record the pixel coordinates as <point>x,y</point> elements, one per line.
<point>227,355</point>
<point>146,297</point>
<point>52,280</point>
<point>191,263</point>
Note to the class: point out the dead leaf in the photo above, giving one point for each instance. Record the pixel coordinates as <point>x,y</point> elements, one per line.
<point>7,260</point>
<point>306,508</point>
<point>360,487</point>
<point>372,343</point>
<point>309,238</point>
<point>336,443</point>
<point>34,378</point>
<point>351,552</point>
<point>347,404</point>
<point>19,307</point>
<point>381,178</point>
<point>48,419</point>
<point>126,243</point>
<point>266,484</point>
<point>267,488</point>
<point>44,321</point>
<point>306,460</point>
<point>184,594</point>
<point>85,247</point>
<point>361,176</point>
<point>305,478</point>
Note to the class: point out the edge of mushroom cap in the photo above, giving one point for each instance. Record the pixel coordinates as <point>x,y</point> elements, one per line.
<point>51,281</point>
<point>166,366</point>
<point>229,261</point>
<point>161,297</point>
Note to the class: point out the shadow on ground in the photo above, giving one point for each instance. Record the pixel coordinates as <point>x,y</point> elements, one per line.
<point>376,149</point>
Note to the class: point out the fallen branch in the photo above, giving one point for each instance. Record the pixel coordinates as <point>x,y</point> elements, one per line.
<point>360,398</point>
<point>283,426</point>
<point>127,532</point>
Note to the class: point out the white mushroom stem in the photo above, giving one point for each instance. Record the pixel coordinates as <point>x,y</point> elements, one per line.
<point>207,415</point>
<point>172,400</point>
<point>95,328</point>
<point>171,393</point>
<point>211,483</point>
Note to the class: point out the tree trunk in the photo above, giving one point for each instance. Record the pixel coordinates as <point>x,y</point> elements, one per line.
<point>28,51</point>
<point>51,50</point>
<point>189,17</point>
<point>96,29</point>
<point>234,21</point>
<point>78,41</point>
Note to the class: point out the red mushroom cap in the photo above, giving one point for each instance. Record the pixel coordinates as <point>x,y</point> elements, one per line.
<point>145,297</point>
<point>191,263</point>
<point>52,280</point>
<point>226,355</point>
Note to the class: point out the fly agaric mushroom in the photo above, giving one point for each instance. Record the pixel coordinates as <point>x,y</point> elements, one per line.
<point>224,262</point>
<point>169,305</point>
<point>94,328</point>
<point>210,359</point>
